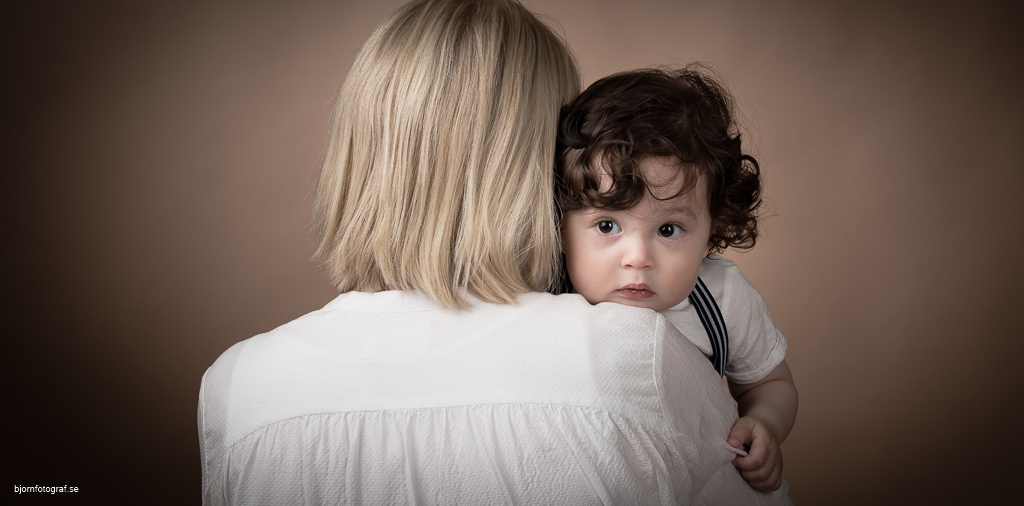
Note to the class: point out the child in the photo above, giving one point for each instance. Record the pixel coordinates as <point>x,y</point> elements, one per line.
<point>652,183</point>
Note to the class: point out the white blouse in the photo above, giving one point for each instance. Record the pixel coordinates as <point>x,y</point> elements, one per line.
<point>387,398</point>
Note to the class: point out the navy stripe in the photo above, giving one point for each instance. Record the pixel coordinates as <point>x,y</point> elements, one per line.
<point>714,324</point>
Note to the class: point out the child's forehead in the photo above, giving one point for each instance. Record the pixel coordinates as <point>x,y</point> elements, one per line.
<point>666,178</point>
<point>688,204</point>
<point>664,203</point>
<point>665,168</point>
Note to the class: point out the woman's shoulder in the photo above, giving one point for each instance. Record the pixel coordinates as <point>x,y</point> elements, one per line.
<point>549,348</point>
<point>554,314</point>
<point>275,345</point>
<point>574,310</point>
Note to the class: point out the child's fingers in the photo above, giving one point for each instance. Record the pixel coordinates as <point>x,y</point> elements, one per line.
<point>765,481</point>
<point>741,432</point>
<point>756,458</point>
<point>762,466</point>
<point>768,475</point>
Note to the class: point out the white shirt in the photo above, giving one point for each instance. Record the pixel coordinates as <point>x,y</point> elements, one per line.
<point>756,345</point>
<point>387,398</point>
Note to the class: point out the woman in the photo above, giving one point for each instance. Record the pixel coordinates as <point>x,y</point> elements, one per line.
<point>440,375</point>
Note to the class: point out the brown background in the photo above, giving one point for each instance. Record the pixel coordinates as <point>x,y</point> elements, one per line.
<point>158,162</point>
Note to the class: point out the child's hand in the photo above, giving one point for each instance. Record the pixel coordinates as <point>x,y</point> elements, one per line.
<point>762,467</point>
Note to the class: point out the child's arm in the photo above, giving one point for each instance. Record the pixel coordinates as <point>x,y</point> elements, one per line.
<point>767,411</point>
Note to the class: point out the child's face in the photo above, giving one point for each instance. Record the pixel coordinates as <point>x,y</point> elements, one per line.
<point>645,256</point>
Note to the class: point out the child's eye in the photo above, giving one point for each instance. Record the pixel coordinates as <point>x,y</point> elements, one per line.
<point>608,227</point>
<point>669,230</point>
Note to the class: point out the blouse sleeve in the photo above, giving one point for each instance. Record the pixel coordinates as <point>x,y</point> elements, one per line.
<point>756,345</point>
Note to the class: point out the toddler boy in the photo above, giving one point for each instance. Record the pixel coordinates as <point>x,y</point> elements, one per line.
<point>651,184</point>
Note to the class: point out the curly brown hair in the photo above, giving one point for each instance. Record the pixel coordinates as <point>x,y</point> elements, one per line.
<point>683,113</point>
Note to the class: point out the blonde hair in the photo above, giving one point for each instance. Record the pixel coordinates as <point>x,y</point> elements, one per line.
<point>438,174</point>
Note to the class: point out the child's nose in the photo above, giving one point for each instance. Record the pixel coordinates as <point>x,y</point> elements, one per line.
<point>637,254</point>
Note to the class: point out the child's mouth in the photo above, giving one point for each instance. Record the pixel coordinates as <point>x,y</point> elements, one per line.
<point>636,291</point>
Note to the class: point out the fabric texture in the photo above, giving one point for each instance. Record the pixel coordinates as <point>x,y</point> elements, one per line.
<point>386,398</point>
<point>756,345</point>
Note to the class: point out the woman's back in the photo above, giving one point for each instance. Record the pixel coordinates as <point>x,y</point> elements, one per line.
<point>390,398</point>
